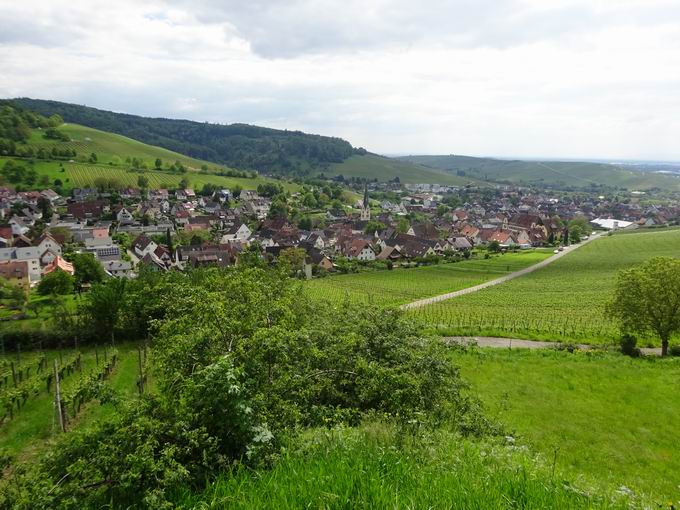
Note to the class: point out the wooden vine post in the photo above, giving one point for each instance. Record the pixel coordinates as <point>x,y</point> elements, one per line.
<point>57,397</point>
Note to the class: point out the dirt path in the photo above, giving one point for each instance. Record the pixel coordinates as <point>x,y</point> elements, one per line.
<point>502,279</point>
<point>516,343</point>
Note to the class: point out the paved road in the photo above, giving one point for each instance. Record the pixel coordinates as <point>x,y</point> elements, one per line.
<point>502,279</point>
<point>516,343</point>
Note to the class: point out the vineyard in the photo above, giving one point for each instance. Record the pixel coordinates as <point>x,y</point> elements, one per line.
<point>563,301</point>
<point>399,286</point>
<point>30,383</point>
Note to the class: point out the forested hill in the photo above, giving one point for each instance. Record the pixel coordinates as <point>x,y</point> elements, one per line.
<point>239,146</point>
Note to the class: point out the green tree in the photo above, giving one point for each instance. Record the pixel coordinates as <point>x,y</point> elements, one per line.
<point>93,158</point>
<point>56,283</point>
<point>87,268</point>
<point>143,182</point>
<point>647,299</point>
<point>158,163</point>
<point>103,306</point>
<point>374,226</point>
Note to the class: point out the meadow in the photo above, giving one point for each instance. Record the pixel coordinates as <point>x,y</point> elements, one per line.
<point>403,285</point>
<point>378,466</point>
<point>604,417</point>
<point>564,301</point>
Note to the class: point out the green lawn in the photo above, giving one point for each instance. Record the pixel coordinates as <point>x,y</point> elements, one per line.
<point>563,301</point>
<point>610,418</point>
<point>399,286</point>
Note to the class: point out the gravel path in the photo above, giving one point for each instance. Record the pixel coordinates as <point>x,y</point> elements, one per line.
<point>502,279</point>
<point>516,343</point>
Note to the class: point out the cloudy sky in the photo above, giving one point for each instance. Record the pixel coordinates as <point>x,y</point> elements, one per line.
<point>557,78</point>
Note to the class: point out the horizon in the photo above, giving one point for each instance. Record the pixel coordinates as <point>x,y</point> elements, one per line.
<point>571,80</point>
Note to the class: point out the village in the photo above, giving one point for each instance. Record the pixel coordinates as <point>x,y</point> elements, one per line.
<point>390,225</point>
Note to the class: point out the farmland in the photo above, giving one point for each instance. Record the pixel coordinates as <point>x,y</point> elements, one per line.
<point>399,286</point>
<point>604,417</point>
<point>563,301</point>
<point>28,420</point>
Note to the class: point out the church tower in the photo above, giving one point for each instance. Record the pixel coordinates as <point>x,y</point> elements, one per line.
<point>365,207</point>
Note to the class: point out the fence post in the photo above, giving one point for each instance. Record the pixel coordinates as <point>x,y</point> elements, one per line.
<point>57,396</point>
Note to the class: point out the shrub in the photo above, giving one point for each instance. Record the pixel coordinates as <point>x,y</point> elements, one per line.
<point>674,350</point>
<point>629,347</point>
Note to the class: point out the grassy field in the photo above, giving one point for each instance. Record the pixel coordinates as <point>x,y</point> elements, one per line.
<point>35,425</point>
<point>385,169</point>
<point>399,286</point>
<point>111,147</point>
<point>608,417</point>
<point>375,467</point>
<point>563,301</point>
<point>553,173</point>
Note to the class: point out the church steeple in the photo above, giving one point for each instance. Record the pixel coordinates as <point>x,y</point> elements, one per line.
<point>365,207</point>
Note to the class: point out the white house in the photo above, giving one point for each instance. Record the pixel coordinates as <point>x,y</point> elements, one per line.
<point>125,217</point>
<point>238,232</point>
<point>30,254</point>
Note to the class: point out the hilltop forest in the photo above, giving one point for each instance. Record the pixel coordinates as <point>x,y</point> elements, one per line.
<point>240,146</point>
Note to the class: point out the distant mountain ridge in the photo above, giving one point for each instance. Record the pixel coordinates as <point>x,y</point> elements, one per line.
<point>241,146</point>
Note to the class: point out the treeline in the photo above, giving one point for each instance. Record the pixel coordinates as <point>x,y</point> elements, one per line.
<point>240,146</point>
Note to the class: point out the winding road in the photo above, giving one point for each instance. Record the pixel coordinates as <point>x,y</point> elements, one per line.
<point>502,279</point>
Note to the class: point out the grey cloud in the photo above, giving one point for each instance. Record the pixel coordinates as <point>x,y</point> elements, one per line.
<point>289,29</point>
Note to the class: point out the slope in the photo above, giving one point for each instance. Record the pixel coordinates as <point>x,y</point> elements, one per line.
<point>382,168</point>
<point>241,146</point>
<point>121,161</point>
<point>563,174</point>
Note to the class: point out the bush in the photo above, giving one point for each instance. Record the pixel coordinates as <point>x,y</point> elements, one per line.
<point>674,350</point>
<point>629,347</point>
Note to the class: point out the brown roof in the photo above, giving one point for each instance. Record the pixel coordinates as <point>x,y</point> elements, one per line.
<point>13,269</point>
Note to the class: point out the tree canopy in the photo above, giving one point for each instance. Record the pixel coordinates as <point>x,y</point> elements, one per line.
<point>647,299</point>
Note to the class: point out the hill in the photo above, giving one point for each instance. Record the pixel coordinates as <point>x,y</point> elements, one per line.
<point>241,146</point>
<point>382,168</point>
<point>119,160</point>
<point>557,174</point>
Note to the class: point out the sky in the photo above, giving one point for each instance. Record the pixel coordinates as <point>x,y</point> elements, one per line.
<point>522,78</point>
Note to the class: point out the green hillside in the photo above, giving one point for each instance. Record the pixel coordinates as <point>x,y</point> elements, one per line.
<point>385,169</point>
<point>112,148</point>
<point>564,301</point>
<point>115,157</point>
<point>242,146</point>
<point>561,174</point>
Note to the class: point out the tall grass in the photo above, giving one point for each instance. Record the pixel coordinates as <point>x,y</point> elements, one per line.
<point>375,466</point>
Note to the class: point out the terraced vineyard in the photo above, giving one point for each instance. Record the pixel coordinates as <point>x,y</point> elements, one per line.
<point>564,301</point>
<point>399,286</point>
